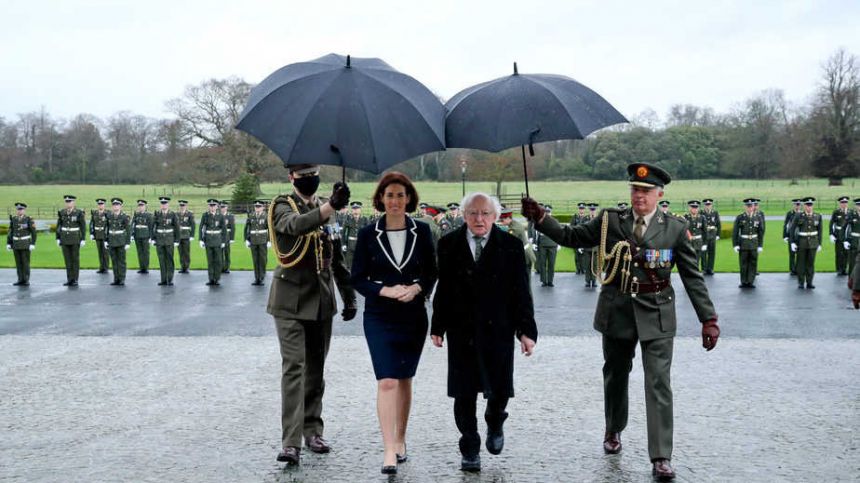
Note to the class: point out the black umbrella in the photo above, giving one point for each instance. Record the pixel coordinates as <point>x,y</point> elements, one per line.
<point>523,109</point>
<point>342,111</point>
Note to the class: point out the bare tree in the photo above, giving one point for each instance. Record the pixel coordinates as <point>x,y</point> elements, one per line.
<point>837,118</point>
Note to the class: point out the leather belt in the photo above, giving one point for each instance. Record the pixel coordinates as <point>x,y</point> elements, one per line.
<point>642,287</point>
<point>21,237</point>
<point>77,228</point>
<point>808,233</point>
<point>116,232</point>
<point>696,237</point>
<point>749,237</point>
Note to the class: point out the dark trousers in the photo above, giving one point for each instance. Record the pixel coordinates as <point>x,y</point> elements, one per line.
<point>547,261</point>
<point>578,259</point>
<point>104,256</point>
<point>657,361</point>
<point>841,257</point>
<point>852,260</point>
<point>749,265</point>
<point>184,254</point>
<point>805,265</point>
<point>304,346</point>
<point>588,257</point>
<point>700,255</point>
<point>464,416</point>
<point>708,256</point>
<point>225,259</point>
<point>117,258</point>
<point>22,264</point>
<point>72,258</point>
<point>165,262</point>
<point>540,263</point>
<point>213,260</point>
<point>142,245</point>
<point>792,261</point>
<point>259,255</point>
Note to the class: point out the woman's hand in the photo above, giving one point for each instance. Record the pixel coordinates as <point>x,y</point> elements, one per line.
<point>393,292</point>
<point>411,292</point>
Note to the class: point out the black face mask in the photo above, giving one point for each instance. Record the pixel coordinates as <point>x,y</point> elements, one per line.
<point>307,185</point>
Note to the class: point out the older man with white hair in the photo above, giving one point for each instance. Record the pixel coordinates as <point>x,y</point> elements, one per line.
<point>482,304</point>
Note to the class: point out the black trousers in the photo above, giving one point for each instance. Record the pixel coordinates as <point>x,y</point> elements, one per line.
<point>467,422</point>
<point>184,253</point>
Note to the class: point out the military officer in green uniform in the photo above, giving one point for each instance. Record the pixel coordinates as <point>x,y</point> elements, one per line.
<point>71,229</point>
<point>302,302</point>
<point>21,240</point>
<point>664,207</point>
<point>852,235</point>
<point>118,239</point>
<point>213,237</point>
<point>747,238</point>
<point>98,224</point>
<point>453,216</point>
<point>230,223</point>
<point>354,222</point>
<point>622,205</point>
<point>696,227</point>
<point>257,239</point>
<point>186,235</point>
<point>429,214</point>
<point>713,227</point>
<point>546,254</point>
<point>637,249</point>
<point>141,234</point>
<point>576,219</point>
<point>796,209</point>
<point>514,228</point>
<point>838,220</point>
<point>588,253</point>
<point>806,234</point>
<point>165,236</point>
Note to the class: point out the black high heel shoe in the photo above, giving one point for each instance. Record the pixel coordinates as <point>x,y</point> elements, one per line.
<point>401,458</point>
<point>389,470</point>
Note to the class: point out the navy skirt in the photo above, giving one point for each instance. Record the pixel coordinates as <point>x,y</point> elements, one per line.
<point>395,340</point>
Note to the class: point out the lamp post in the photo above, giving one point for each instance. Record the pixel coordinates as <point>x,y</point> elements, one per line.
<point>463,176</point>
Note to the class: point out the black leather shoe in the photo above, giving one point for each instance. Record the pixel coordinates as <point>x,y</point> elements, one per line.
<point>67,284</point>
<point>550,285</point>
<point>495,440</point>
<point>662,470</point>
<point>183,270</point>
<point>169,284</point>
<point>401,458</point>
<point>73,283</point>
<point>290,455</point>
<point>389,470</point>
<point>471,464</point>
<point>612,443</point>
<point>114,283</point>
<point>16,284</point>
<point>800,285</point>
<point>210,283</point>
<point>317,444</point>
<point>810,286</point>
<point>161,284</point>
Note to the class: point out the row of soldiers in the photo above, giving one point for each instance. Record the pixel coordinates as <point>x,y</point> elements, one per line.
<point>114,231</point>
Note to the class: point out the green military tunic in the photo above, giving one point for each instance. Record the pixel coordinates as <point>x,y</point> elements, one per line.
<point>257,238</point>
<point>806,234</point>
<point>118,239</point>
<point>696,227</point>
<point>98,225</point>
<point>579,254</point>
<point>213,237</point>
<point>186,236</point>
<point>852,237</point>
<point>351,227</point>
<point>748,236</point>
<point>71,227</point>
<point>786,234</point>
<point>21,239</point>
<point>435,232</point>
<point>838,221</point>
<point>141,234</point>
<point>713,227</point>
<point>589,255</point>
<point>230,225</point>
<point>545,258</point>
<point>165,235</point>
<point>642,308</point>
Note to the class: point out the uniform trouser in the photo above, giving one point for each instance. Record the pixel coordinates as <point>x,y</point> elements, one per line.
<point>547,270</point>
<point>142,252</point>
<point>700,255</point>
<point>347,258</point>
<point>708,256</point>
<point>213,260</point>
<point>657,361</point>
<point>539,262</point>
<point>841,257</point>
<point>792,261</point>
<point>852,260</point>
<point>805,265</point>
<point>165,262</point>
<point>578,263</point>
<point>304,346</point>
<point>22,264</point>
<point>259,255</point>
<point>184,254</point>
<point>72,257</point>
<point>117,259</point>
<point>588,258</point>
<point>225,260</point>
<point>104,256</point>
<point>749,265</point>
<point>467,422</point>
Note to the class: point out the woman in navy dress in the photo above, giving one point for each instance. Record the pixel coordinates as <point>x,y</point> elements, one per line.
<point>394,268</point>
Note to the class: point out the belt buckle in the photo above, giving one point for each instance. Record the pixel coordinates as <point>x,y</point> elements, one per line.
<point>634,287</point>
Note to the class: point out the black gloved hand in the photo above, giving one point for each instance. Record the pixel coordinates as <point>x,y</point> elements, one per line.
<point>339,195</point>
<point>349,311</point>
<point>532,210</point>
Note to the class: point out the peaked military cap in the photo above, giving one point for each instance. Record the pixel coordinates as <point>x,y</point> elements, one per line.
<point>809,200</point>
<point>665,203</point>
<point>856,201</point>
<point>224,204</point>
<point>708,201</point>
<point>183,202</point>
<point>69,198</point>
<point>163,199</point>
<point>756,201</point>
<point>434,210</point>
<point>796,201</point>
<point>506,213</point>
<point>623,205</point>
<point>100,201</point>
<point>260,203</point>
<point>843,199</point>
<point>693,203</point>
<point>116,201</point>
<point>647,175</point>
<point>423,205</point>
<point>749,201</point>
<point>453,206</point>
<point>141,202</point>
<point>20,205</point>
<point>212,201</point>
<point>356,204</point>
<point>303,169</point>
<point>580,205</point>
<point>593,206</point>
<point>548,208</point>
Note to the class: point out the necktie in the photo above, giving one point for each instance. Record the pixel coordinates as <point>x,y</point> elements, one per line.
<point>478,247</point>
<point>639,231</point>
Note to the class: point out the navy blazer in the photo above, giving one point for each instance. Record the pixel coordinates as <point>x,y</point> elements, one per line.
<point>374,266</point>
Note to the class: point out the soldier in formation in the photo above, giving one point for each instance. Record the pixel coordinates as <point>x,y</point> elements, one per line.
<point>98,225</point>
<point>141,234</point>
<point>71,227</point>
<point>21,240</point>
<point>664,207</point>
<point>213,238</point>
<point>186,235</point>
<point>118,238</point>
<point>547,249</point>
<point>257,239</point>
<point>514,228</point>
<point>713,226</point>
<point>230,224</point>
<point>588,254</point>
<point>796,209</point>
<point>838,221</point>
<point>578,218</point>
<point>696,229</point>
<point>806,234</point>
<point>354,222</point>
<point>852,235</point>
<point>165,236</point>
<point>747,239</point>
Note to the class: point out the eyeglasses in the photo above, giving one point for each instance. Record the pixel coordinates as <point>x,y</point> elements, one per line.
<point>479,214</point>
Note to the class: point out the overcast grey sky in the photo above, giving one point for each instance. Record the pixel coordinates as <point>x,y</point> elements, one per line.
<point>100,56</point>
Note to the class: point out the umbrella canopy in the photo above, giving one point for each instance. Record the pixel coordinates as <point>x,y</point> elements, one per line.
<point>358,113</point>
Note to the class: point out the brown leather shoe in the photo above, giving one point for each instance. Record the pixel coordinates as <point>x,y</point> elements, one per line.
<point>663,470</point>
<point>317,444</point>
<point>612,443</point>
<point>290,455</point>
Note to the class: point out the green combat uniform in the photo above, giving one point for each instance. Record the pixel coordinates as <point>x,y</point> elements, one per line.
<point>213,236</point>
<point>21,239</point>
<point>747,238</point>
<point>852,235</point>
<point>257,239</point>
<point>142,233</point>
<point>186,236</point>
<point>579,258</point>
<point>71,227</point>
<point>713,227</point>
<point>230,224</point>
<point>806,234</point>
<point>639,307</point>
<point>118,240</point>
<point>165,235</point>
<point>786,234</point>
<point>98,225</point>
<point>546,255</point>
<point>838,220</point>
<point>696,227</point>
<point>351,226</point>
